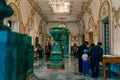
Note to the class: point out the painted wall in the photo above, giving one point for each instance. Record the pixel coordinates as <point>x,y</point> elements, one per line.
<point>95,4</point>
<point>116,5</point>
<point>37,20</point>
<point>74,28</point>
<point>116,41</point>
<point>86,20</point>
<point>25,9</point>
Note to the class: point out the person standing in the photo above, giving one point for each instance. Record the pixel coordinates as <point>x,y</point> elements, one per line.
<point>80,53</point>
<point>75,49</point>
<point>40,50</point>
<point>85,62</point>
<point>90,48</point>
<point>95,57</point>
<point>48,50</point>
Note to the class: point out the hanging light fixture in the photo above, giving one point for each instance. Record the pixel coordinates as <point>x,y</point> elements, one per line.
<point>60,6</point>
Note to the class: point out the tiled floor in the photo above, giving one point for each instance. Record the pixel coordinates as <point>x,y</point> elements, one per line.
<point>69,73</point>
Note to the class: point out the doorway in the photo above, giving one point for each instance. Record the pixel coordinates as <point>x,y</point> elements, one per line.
<point>90,37</point>
<point>106,36</point>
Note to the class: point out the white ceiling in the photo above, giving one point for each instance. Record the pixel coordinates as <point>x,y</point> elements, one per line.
<point>76,8</point>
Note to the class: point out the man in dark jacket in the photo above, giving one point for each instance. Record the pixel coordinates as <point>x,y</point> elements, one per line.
<point>95,57</point>
<point>80,53</point>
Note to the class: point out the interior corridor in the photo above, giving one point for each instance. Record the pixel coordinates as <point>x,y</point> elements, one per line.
<point>70,72</point>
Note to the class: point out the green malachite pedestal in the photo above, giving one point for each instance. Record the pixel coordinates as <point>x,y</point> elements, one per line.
<point>66,41</point>
<point>16,50</point>
<point>16,56</point>
<point>57,54</point>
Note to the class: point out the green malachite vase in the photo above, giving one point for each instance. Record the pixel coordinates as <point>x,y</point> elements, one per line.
<point>57,54</point>
<point>5,11</point>
<point>16,50</point>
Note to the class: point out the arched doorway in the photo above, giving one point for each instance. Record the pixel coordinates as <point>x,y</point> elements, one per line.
<point>30,29</point>
<point>104,28</point>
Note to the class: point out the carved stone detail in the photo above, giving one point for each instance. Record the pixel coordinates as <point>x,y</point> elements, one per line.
<point>91,24</point>
<point>116,17</point>
<point>103,13</point>
<point>17,15</point>
<point>104,10</point>
<point>85,8</point>
<point>29,25</point>
<point>17,1</point>
<point>37,8</point>
<point>74,39</point>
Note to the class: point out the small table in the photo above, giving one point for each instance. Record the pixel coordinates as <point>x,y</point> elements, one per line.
<point>109,59</point>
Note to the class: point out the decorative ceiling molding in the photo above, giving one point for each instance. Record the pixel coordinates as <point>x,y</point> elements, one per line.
<point>91,25</point>
<point>104,10</point>
<point>37,8</point>
<point>85,8</point>
<point>33,11</point>
<point>116,17</point>
<point>17,1</point>
<point>17,15</point>
<point>63,21</point>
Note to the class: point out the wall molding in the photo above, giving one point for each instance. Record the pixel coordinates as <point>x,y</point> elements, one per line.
<point>37,9</point>
<point>104,11</point>
<point>116,17</point>
<point>85,9</point>
<point>17,15</point>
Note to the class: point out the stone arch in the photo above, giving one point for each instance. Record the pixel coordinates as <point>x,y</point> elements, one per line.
<point>81,31</point>
<point>29,29</point>
<point>30,24</point>
<point>105,14</point>
<point>17,16</point>
<point>90,30</point>
<point>104,10</point>
<point>91,24</point>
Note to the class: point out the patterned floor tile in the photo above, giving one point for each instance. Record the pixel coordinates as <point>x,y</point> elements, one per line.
<point>69,73</point>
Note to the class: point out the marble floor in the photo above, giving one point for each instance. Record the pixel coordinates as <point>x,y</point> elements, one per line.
<point>69,73</point>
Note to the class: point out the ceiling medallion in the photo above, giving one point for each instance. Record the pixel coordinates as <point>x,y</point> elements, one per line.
<point>60,6</point>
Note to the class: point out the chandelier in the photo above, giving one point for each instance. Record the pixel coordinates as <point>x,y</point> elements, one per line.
<point>60,6</point>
